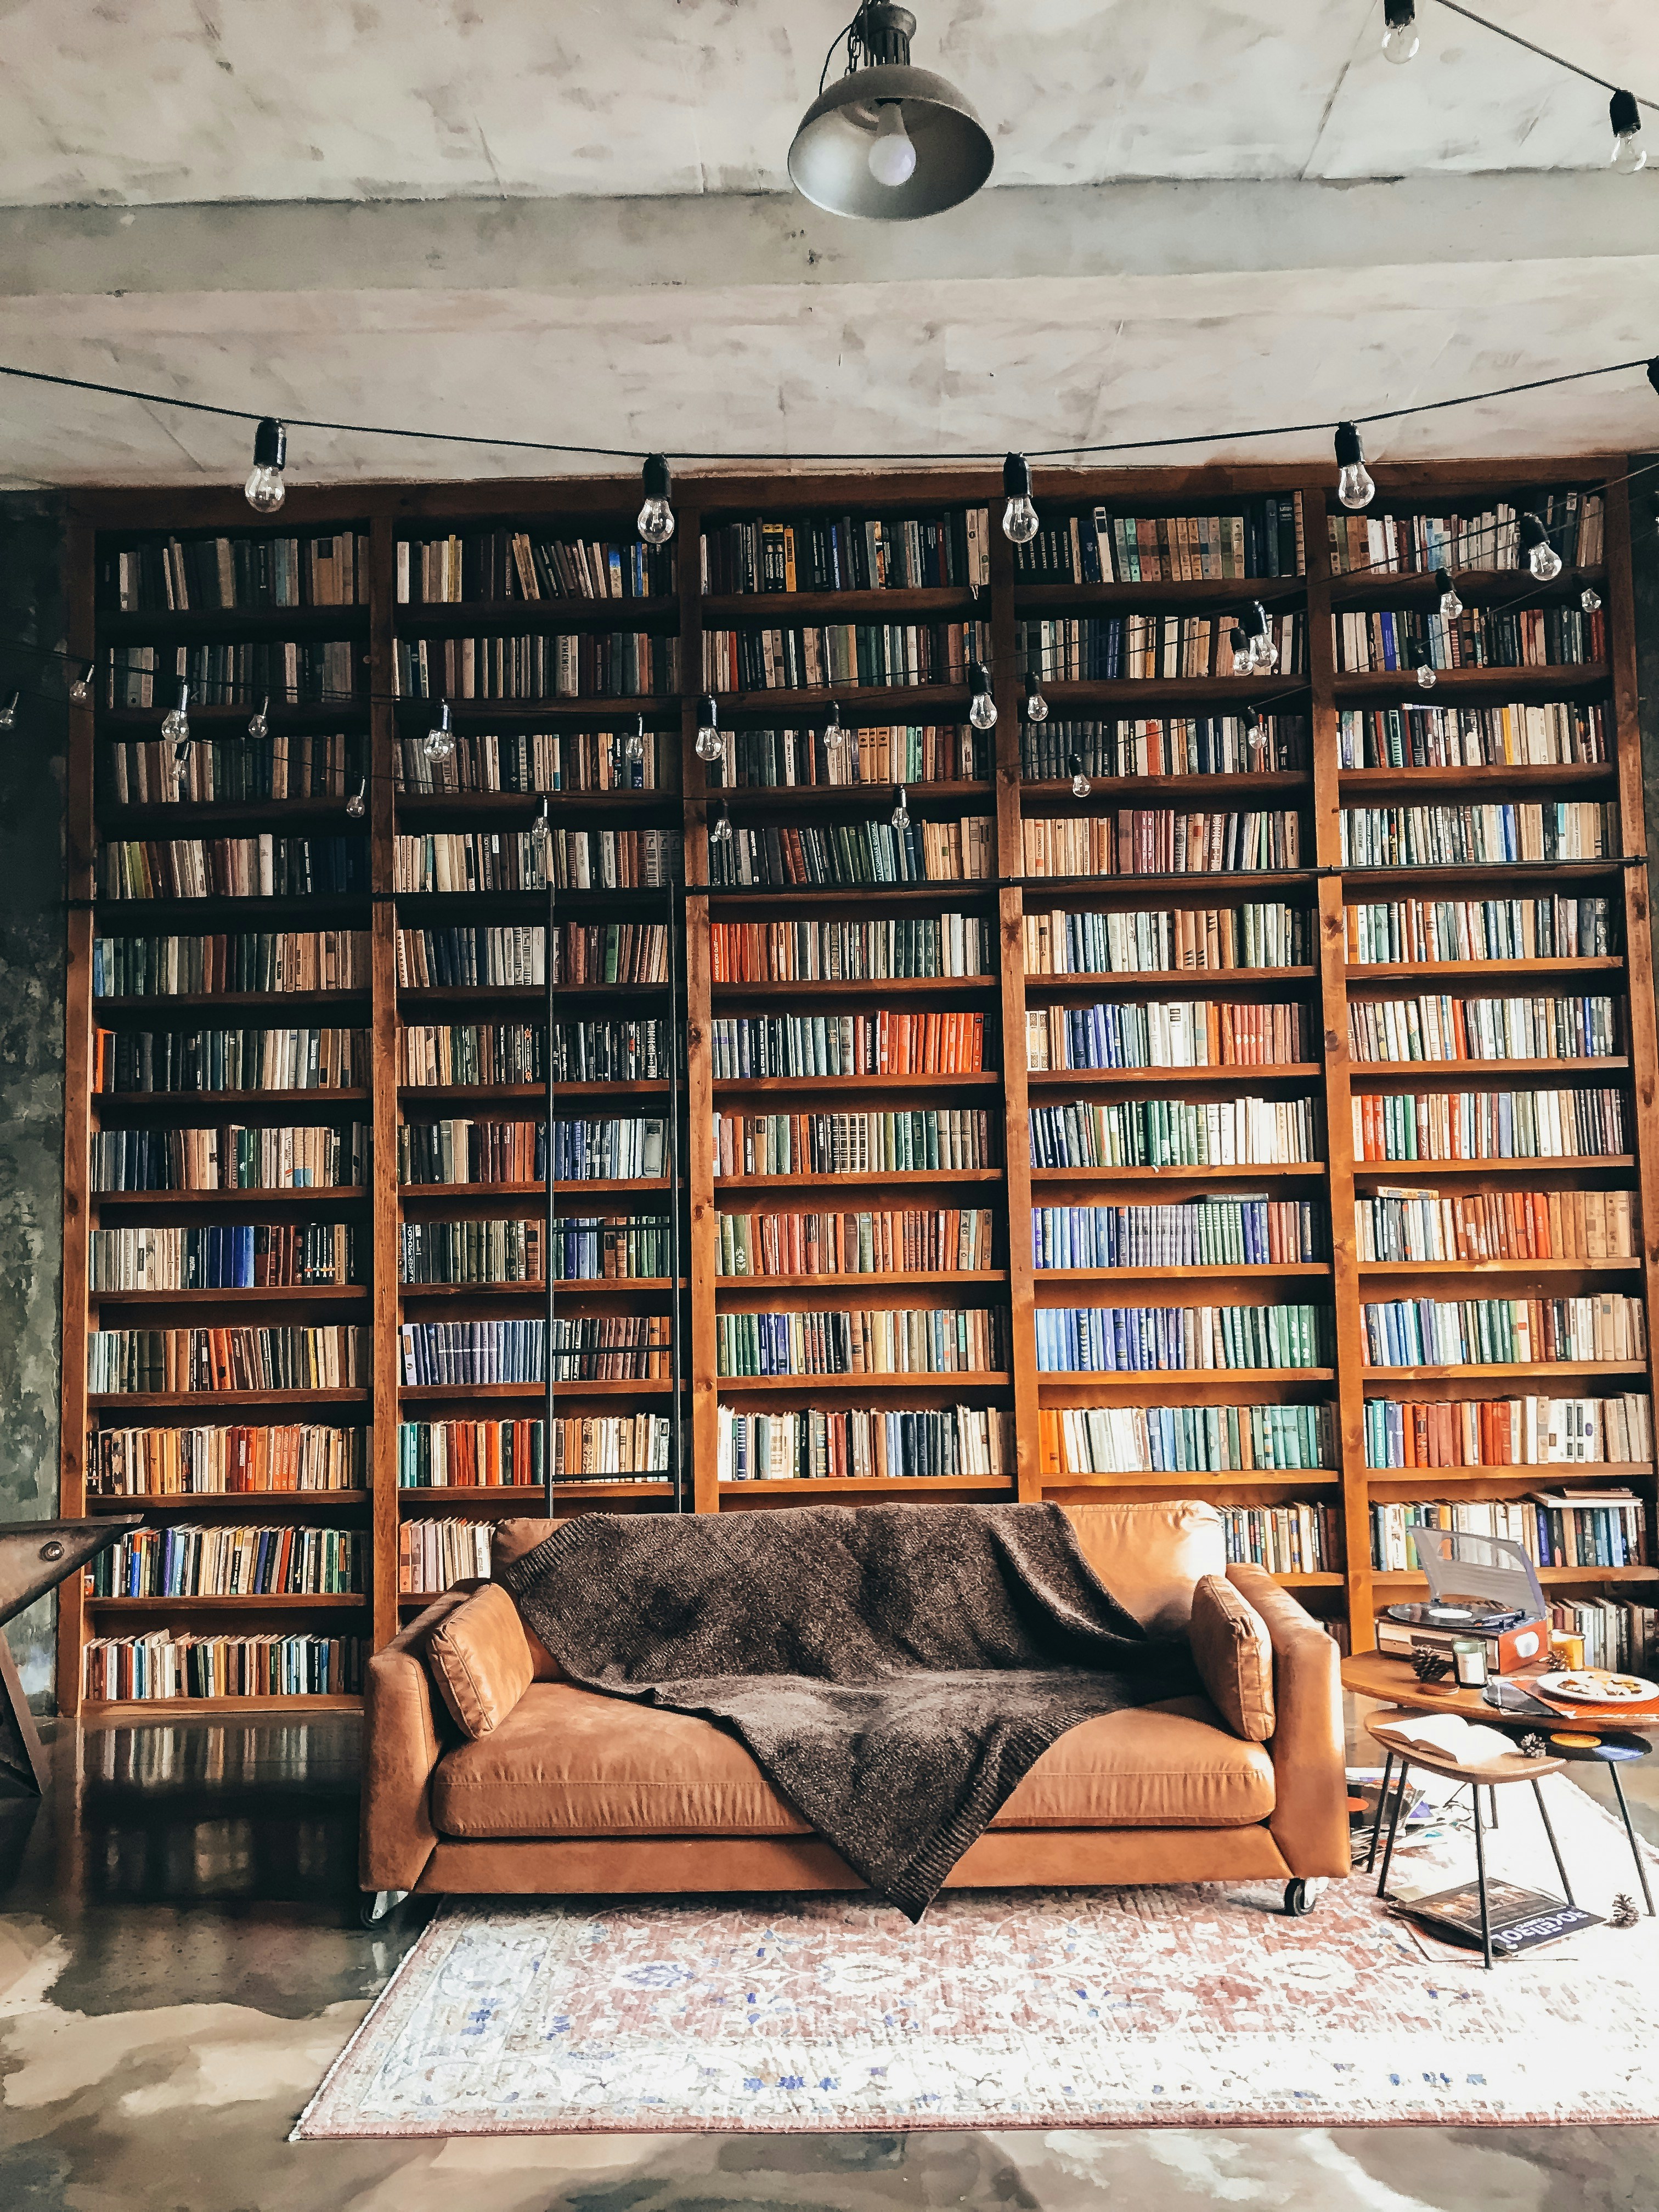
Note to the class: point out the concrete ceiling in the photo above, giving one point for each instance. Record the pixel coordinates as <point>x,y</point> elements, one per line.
<point>431,213</point>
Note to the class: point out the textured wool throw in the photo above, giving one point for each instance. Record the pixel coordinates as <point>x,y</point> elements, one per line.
<point>893,1672</point>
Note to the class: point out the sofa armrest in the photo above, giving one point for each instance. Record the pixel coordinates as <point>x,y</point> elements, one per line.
<point>403,1738</point>
<point>1309,1820</point>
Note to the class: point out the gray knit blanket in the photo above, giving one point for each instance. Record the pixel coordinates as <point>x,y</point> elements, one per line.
<point>894,1672</point>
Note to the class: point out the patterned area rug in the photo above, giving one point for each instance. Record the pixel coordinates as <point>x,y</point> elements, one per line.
<point>1059,2009</point>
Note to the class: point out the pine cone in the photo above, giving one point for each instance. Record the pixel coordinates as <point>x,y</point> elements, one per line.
<point>1624,1913</point>
<point>1533,1746</point>
<point>1430,1666</point>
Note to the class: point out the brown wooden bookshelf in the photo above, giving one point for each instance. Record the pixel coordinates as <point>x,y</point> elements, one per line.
<point>687,799</point>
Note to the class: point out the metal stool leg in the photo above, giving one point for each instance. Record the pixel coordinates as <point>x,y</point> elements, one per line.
<point>1560,1863</point>
<point>1492,1794</point>
<point>1480,1876</point>
<point>1634,1847</point>
<point>1394,1824</point>
<point>1376,1825</point>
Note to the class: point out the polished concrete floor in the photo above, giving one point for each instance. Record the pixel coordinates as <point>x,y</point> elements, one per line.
<point>180,1959</point>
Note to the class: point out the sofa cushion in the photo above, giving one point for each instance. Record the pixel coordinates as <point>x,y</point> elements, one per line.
<point>565,1762</point>
<point>511,1539</point>
<point>1234,1657</point>
<point>1150,1556</point>
<point>480,1660</point>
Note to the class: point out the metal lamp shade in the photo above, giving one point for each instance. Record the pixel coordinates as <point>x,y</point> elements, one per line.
<point>829,160</point>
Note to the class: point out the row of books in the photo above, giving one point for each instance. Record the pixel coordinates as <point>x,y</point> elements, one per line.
<point>149,772</point>
<point>1489,537</point>
<point>608,663</point>
<point>1180,1033</point>
<point>1447,836</point>
<point>590,1347</point>
<point>943,752</point>
<point>285,673</point>
<point>1501,1332</point>
<point>901,947</point>
<point>262,867</point>
<point>1262,538</point>
<point>1175,1133</point>
<point>1149,943</point>
<point>515,957</point>
<point>434,1555</point>
<point>1443,1028</point>
<point>512,1454</point>
<point>1153,841</point>
<point>1128,648</point>
<point>1481,637</point>
<point>843,656</point>
<point>1538,733</point>
<point>188,575</point>
<point>542,760</point>
<point>275,960</point>
<point>225,1459</point>
<point>486,1053</point>
<point>1285,1540</point>
<point>1490,1125</point>
<point>1184,1439</point>
<point>1154,1339</point>
<point>1172,744</point>
<point>230,1059</point>
<point>1529,1431</point>
<point>223,1257</point>
<point>120,1361</point>
<point>846,855</point>
<point>905,1240</point>
<point>1395,1226</point>
<point>1416,930</point>
<point>926,1140</point>
<point>1555,1528</point>
<point>838,553</point>
<point>967,1442</point>
<point>510,564</point>
<point>459,1150</point>
<point>1617,1633</point>
<point>307,1156</point>
<point>182,1561</point>
<point>517,861</point>
<point>757,1045</point>
<point>600,1248</point>
<point>161,1666</point>
<point>1206,1232</point>
<point>885,1340</point>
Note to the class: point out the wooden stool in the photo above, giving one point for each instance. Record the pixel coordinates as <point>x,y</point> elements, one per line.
<point>1489,1773</point>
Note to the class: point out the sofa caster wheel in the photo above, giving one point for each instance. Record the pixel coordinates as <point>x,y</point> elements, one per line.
<point>1303,1894</point>
<point>375,1909</point>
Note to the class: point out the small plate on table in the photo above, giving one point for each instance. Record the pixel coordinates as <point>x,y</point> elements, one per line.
<point>1595,1685</point>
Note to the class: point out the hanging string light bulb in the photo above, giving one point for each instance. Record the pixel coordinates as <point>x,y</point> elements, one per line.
<point>542,830</point>
<point>439,744</point>
<point>1400,39</point>
<point>8,712</point>
<point>636,741</point>
<point>982,708</point>
<point>1629,154</point>
<point>1354,487</point>
<point>834,736</point>
<point>710,745</point>
<point>1450,605</point>
<point>1255,735</point>
<point>81,689</point>
<point>357,805</point>
<point>1542,558</point>
<point>1019,516</point>
<point>1081,785</point>
<point>258,727</point>
<point>1591,599</point>
<point>1240,642</point>
<point>175,728</point>
<point>656,517</point>
<point>721,832</point>
<point>1036,706</point>
<point>901,815</point>
<point>265,489</point>
<point>1418,654</point>
<point>1264,654</point>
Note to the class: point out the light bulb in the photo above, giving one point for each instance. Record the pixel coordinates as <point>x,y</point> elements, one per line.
<point>176,726</point>
<point>1264,654</point>
<point>834,736</point>
<point>1036,706</point>
<point>656,518</point>
<point>258,727</point>
<point>710,745</point>
<point>81,689</point>
<point>892,157</point>
<point>1354,487</point>
<point>721,832</point>
<point>1240,642</point>
<point>1450,605</point>
<point>1252,722</point>
<point>542,830</point>
<point>636,742</point>
<point>901,817</point>
<point>357,805</point>
<point>1427,676</point>
<point>1081,785</point>
<point>1542,558</point>
<point>1590,600</point>
<point>1629,154</point>
<point>1019,516</point>
<point>1400,39</point>
<point>8,712</point>
<point>264,488</point>
<point>982,708</point>
<point>440,741</point>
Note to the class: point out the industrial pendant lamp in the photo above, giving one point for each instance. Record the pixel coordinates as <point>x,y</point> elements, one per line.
<point>889,142</point>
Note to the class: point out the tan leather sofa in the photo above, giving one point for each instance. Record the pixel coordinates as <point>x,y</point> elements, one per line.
<point>572,1793</point>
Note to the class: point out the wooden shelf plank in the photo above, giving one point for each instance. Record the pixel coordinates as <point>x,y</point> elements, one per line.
<point>332,1294</point>
<point>598,1186</point>
<point>1161,1379</point>
<point>1564,679</point>
<point>1041,795</point>
<point>1478,1075</point>
<point>252,1503</point>
<point>1122,1079</point>
<point>1129,1278</point>
<point>1247,1172</point>
<point>1392,1578</point>
<point>273,1601</point>
<point>1393,1269</point>
<point>861,987</point>
<point>831,1087</point>
<point>314,1196</point>
<point>847,1286</point>
<point>196,1002</point>
<point>886,1179</point>
<point>1538,1474</point>
<point>874,1384</point>
<point>430,1393</point>
<point>1478,971</point>
<point>1408,1171</point>
<point>136,1712</point>
<point>531,1496</point>
<point>220,1400</point>
<point>491,1094</point>
<point>849,1485</point>
<point>1381,1381</point>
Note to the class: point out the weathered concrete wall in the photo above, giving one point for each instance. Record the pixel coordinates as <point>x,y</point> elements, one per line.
<point>32,962</point>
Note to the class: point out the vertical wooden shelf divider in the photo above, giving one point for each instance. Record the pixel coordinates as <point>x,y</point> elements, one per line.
<point>703,1427</point>
<point>384,1217</point>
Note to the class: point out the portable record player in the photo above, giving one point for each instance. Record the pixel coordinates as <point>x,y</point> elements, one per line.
<point>1478,1586</point>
